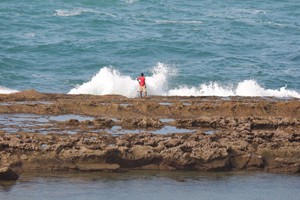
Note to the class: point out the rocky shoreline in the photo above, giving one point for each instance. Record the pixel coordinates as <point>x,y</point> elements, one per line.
<point>218,134</point>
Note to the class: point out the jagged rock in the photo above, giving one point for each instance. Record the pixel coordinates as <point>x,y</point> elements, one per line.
<point>149,123</point>
<point>132,123</point>
<point>72,122</point>
<point>255,162</point>
<point>103,123</point>
<point>169,143</point>
<point>248,133</point>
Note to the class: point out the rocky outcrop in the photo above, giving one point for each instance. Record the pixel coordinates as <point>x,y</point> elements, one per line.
<point>237,134</point>
<point>274,151</point>
<point>116,106</point>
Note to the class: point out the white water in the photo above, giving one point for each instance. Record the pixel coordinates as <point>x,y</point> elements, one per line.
<point>110,81</point>
<point>244,88</point>
<point>5,90</point>
<point>73,12</point>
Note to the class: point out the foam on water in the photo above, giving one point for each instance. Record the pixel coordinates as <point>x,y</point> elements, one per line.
<point>244,88</point>
<point>178,22</point>
<point>73,12</point>
<point>110,81</point>
<point>5,90</point>
<point>131,1</point>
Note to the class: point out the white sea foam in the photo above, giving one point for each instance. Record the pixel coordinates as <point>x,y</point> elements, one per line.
<point>131,1</point>
<point>110,81</point>
<point>178,22</point>
<point>244,11</point>
<point>73,12</point>
<point>5,90</point>
<point>244,88</point>
<point>107,81</point>
<point>27,35</point>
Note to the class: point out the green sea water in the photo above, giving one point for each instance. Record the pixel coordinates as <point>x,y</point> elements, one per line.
<point>191,47</point>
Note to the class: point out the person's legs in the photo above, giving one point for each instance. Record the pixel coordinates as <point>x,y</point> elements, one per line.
<point>141,91</point>
<point>145,91</point>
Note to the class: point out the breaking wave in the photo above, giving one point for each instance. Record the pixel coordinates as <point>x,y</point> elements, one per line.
<point>5,90</point>
<point>110,81</point>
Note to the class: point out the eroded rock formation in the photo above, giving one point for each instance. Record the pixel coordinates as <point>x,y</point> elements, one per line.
<point>236,134</point>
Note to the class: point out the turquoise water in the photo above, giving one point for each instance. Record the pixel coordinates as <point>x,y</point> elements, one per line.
<point>191,47</point>
<point>146,185</point>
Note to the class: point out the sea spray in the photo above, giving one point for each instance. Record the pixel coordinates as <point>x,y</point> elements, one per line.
<point>244,88</point>
<point>158,83</point>
<point>74,12</point>
<point>210,89</point>
<point>5,90</point>
<point>110,81</point>
<point>252,88</point>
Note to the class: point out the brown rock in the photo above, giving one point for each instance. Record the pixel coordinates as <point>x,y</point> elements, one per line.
<point>169,143</point>
<point>103,123</point>
<point>255,162</point>
<point>217,165</point>
<point>97,167</point>
<point>248,133</point>
<point>140,152</point>
<point>145,122</point>
<point>72,122</point>
<point>28,95</point>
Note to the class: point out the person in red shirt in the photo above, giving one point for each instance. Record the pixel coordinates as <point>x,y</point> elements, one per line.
<point>142,85</point>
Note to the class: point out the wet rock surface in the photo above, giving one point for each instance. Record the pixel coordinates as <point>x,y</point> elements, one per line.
<point>235,134</point>
<point>8,174</point>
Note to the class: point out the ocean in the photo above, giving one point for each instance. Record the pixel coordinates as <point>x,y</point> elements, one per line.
<point>152,185</point>
<point>190,47</point>
<point>184,47</point>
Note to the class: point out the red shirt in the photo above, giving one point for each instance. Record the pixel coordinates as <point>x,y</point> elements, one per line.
<point>142,80</point>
